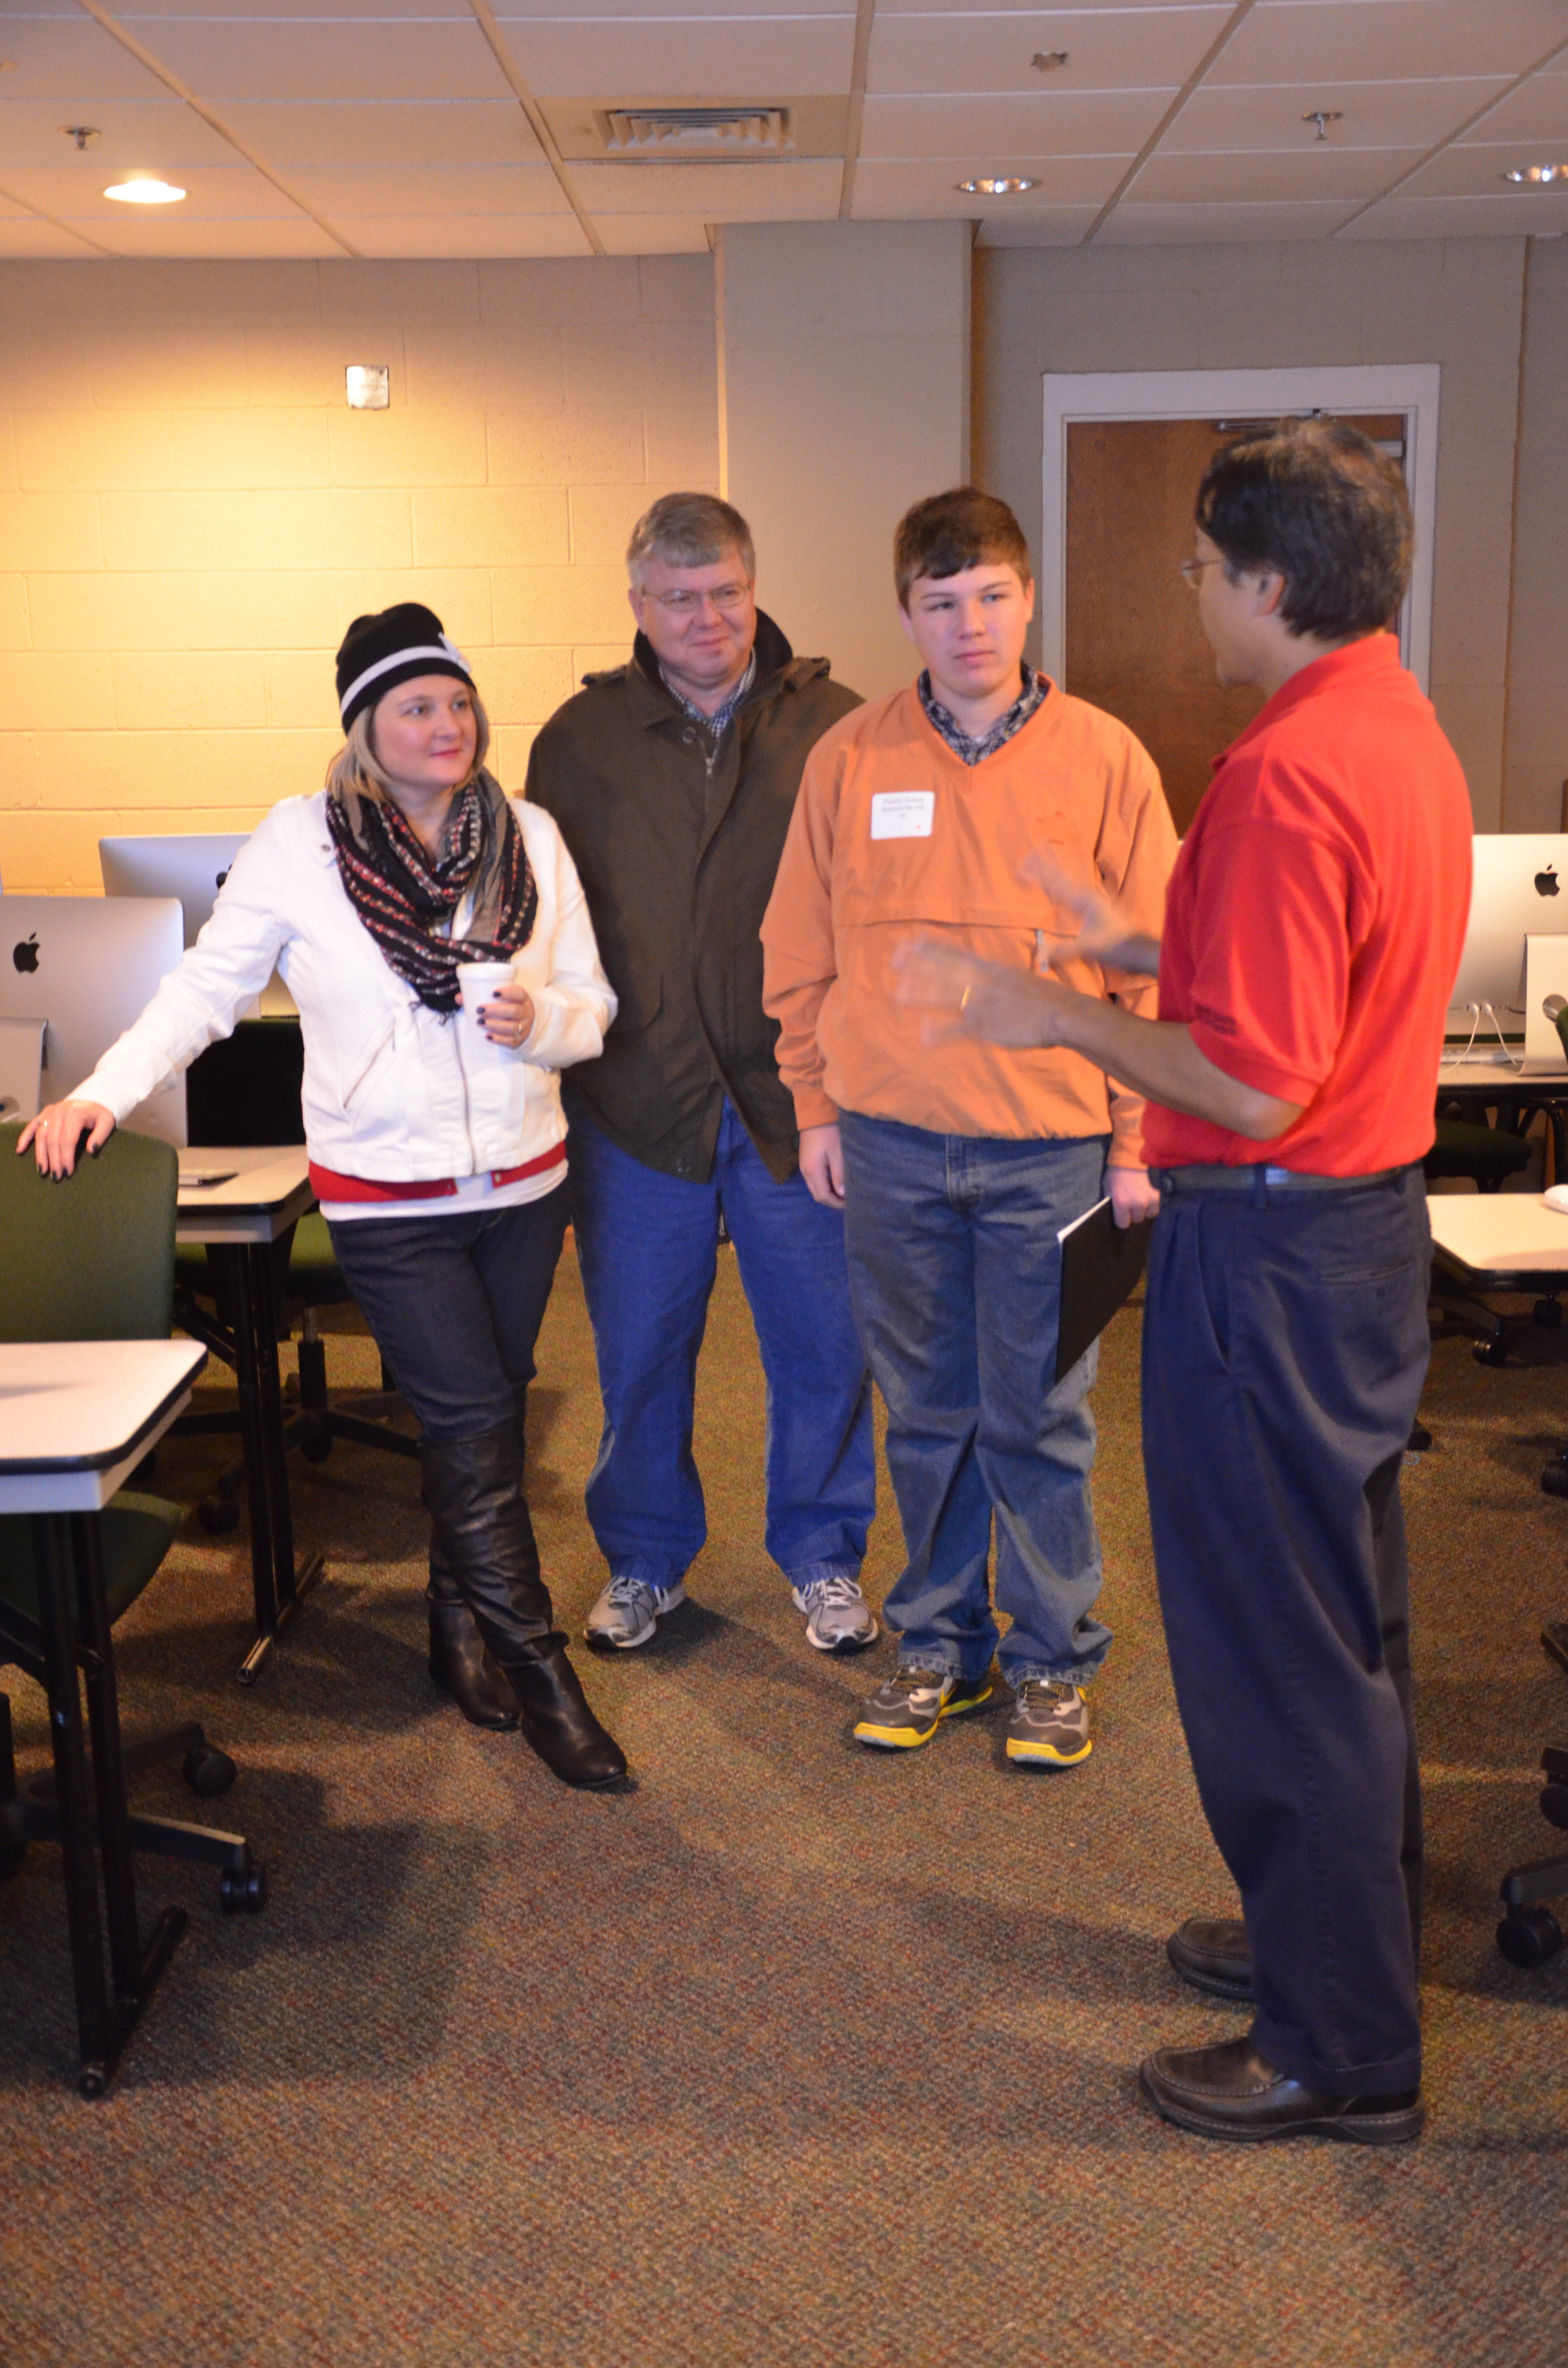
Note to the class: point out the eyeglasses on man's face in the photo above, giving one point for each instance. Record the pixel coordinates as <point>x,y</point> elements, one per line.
<point>1191,571</point>
<point>730,599</point>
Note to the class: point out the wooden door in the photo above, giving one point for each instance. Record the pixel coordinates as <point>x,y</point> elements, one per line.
<point>1134,642</point>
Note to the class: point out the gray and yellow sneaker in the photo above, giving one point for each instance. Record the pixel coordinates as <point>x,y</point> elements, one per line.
<point>1049,1725</point>
<point>908,1710</point>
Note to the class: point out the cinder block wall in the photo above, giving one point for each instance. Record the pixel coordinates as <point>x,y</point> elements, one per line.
<point>190,514</point>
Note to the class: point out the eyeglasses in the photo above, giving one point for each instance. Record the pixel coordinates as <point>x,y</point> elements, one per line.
<point>1191,569</point>
<point>728,599</point>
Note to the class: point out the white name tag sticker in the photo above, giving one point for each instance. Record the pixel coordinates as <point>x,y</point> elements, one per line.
<point>903,814</point>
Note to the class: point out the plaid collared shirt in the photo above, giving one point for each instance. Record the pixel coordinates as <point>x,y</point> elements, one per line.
<point>965,745</point>
<point>718,723</point>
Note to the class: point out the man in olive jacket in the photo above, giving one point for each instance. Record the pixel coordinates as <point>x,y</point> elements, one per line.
<point>672,780</point>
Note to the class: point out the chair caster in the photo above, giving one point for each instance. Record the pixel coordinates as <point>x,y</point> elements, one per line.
<point>1554,1805</point>
<point>1420,1440</point>
<point>1530,1937</point>
<point>1491,1353</point>
<point>1547,1313</point>
<point>207,1772</point>
<point>242,1891</point>
<point>1554,1476</point>
<point>219,1514</point>
<point>313,1440</point>
<point>11,1861</point>
<point>92,2080</point>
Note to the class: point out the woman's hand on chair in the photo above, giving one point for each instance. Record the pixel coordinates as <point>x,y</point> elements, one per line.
<point>509,1016</point>
<point>56,1134</point>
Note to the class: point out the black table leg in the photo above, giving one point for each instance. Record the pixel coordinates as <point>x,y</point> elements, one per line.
<point>291,1582</point>
<point>52,1549</point>
<point>232,1259</point>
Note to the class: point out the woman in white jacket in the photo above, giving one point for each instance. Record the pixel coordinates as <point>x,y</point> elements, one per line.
<point>437,1146</point>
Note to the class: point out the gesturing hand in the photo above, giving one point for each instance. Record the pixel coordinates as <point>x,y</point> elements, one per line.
<point>56,1134</point>
<point>1106,933</point>
<point>967,997</point>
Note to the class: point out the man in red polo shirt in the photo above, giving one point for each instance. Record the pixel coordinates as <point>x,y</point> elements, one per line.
<point>1312,932</point>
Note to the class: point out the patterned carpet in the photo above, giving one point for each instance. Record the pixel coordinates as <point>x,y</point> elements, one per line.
<point>796,2054</point>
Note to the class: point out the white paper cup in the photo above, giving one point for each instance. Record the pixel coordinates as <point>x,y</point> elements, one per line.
<point>479,982</point>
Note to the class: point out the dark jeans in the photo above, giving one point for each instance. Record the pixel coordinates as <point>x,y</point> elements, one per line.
<point>956,1270</point>
<point>455,1304</point>
<point>647,1245</point>
<point>1285,1344</point>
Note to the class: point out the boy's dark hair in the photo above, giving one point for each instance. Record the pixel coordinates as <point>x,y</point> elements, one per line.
<point>1319,501</point>
<point>949,532</point>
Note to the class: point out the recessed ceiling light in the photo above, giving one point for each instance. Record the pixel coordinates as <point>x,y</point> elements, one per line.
<point>1538,177</point>
<point>144,191</point>
<point>1001,185</point>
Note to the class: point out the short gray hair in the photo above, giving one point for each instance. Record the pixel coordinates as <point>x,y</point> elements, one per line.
<point>689,530</point>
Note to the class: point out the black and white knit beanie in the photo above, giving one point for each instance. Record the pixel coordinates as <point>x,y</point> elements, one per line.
<point>378,653</point>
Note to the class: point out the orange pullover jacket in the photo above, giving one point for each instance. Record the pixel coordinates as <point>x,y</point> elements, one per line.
<point>894,834</point>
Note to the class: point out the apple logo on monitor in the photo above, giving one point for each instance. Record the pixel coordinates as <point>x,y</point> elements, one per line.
<point>1546,883</point>
<point>25,956</point>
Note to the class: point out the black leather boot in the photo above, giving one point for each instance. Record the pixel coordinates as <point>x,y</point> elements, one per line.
<point>460,1662</point>
<point>475,1490</point>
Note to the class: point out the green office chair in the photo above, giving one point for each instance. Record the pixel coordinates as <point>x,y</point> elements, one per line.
<point>93,1259</point>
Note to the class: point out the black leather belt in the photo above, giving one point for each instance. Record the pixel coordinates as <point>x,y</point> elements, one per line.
<point>1272,1180</point>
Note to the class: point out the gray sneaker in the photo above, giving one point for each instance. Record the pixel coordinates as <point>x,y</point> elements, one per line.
<point>838,1618</point>
<point>626,1613</point>
<point>1049,1725</point>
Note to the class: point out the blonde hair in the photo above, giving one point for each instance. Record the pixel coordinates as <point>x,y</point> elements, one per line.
<point>357,772</point>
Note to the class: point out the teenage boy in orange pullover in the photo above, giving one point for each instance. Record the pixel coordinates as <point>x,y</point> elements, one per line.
<point>956,1168</point>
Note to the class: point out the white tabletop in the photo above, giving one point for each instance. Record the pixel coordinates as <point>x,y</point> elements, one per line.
<point>1499,1233</point>
<point>77,1415</point>
<point>264,1188</point>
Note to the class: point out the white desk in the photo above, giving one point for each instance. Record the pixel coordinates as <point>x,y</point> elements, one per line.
<point>1504,1239</point>
<point>262,1191</point>
<point>78,1415</point>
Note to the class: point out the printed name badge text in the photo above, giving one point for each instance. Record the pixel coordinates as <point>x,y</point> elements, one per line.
<point>903,814</point>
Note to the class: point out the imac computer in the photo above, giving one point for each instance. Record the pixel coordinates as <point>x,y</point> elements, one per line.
<point>1520,894</point>
<point>192,868</point>
<point>86,967</point>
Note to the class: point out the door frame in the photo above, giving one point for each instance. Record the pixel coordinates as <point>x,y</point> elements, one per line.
<point>1412,388</point>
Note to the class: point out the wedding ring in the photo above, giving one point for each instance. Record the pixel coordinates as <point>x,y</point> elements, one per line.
<point>963,999</point>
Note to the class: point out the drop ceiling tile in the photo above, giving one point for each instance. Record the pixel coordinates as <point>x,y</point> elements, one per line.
<point>1296,41</point>
<point>651,233</point>
<point>148,135</point>
<point>393,235</point>
<point>1134,225</point>
<point>230,192</point>
<point>1372,114</point>
<point>330,133</point>
<point>807,192</point>
<point>1327,174</point>
<point>913,189</point>
<point>978,51</point>
<point>1019,8</point>
<point>1076,123</point>
<point>71,59</point>
<point>455,191</point>
<point>1062,226</point>
<point>1477,172</point>
<point>23,235</point>
<point>144,19</point>
<point>767,57</point>
<point>1538,110</point>
<point>559,12</point>
<point>234,58</point>
<point>295,235</point>
<point>1502,217</point>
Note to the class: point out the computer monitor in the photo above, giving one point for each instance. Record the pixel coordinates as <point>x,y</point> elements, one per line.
<point>1520,891</point>
<point>192,868</point>
<point>88,966</point>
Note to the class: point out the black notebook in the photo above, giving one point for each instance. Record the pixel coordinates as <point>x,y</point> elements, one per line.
<point>1101,1262</point>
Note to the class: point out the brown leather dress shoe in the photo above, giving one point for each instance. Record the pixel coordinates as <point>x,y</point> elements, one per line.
<point>1231,2091</point>
<point>1212,1953</point>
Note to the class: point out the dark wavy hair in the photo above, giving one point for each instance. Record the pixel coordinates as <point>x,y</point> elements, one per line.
<point>1317,501</point>
<point>949,532</point>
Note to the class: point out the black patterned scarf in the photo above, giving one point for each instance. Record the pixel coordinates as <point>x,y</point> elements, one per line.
<point>400,893</point>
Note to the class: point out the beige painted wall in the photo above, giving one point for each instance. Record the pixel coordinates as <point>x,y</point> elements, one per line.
<point>1457,302</point>
<point>1536,747</point>
<point>190,515</point>
<point>843,368</point>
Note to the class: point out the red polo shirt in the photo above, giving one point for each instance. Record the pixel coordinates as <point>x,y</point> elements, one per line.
<point>1315,916</point>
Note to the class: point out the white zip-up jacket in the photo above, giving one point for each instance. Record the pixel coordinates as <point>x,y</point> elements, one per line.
<point>392,1091</point>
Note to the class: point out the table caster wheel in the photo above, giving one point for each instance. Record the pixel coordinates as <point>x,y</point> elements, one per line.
<point>207,1772</point>
<point>1554,1476</point>
<point>315,1441</point>
<point>1547,1313</point>
<point>242,1894</point>
<point>1554,1805</point>
<point>11,1861</point>
<point>92,2080</point>
<point>218,1515</point>
<point>1420,1440</point>
<point>1491,1353</point>
<point>1530,1937</point>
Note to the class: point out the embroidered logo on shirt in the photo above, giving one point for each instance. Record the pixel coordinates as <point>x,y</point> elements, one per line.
<point>1220,1021</point>
<point>903,814</point>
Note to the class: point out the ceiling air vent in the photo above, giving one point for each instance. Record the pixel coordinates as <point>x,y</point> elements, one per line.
<point>729,133</point>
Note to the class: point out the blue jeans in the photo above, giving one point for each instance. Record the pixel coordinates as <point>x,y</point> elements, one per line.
<point>647,1245</point>
<point>955,1269</point>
